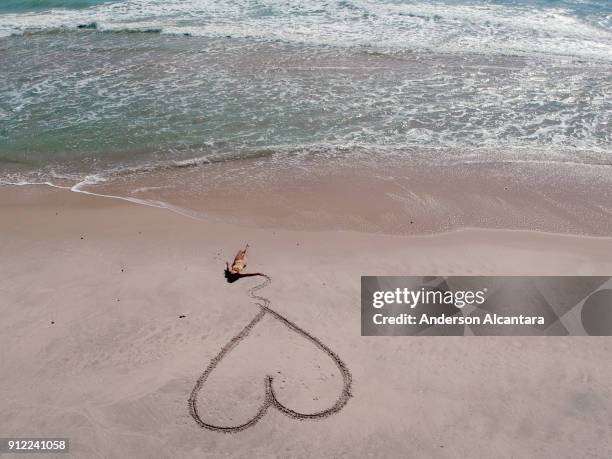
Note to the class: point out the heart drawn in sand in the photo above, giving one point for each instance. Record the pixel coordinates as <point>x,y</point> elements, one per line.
<point>270,398</point>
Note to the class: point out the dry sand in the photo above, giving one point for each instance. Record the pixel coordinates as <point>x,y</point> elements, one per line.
<point>92,346</point>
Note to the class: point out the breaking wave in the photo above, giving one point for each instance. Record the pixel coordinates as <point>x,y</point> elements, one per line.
<point>578,29</point>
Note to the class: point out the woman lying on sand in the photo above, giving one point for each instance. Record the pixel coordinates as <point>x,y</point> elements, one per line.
<point>240,262</point>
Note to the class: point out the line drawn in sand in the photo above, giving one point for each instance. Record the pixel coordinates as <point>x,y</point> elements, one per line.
<point>270,399</point>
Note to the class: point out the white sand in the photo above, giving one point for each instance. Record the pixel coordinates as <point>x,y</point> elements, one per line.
<point>115,370</point>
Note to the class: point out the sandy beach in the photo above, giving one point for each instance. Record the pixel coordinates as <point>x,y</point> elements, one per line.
<point>387,196</point>
<point>112,310</point>
<point>143,143</point>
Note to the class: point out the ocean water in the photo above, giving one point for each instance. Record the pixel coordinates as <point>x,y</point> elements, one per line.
<point>21,6</point>
<point>111,88</point>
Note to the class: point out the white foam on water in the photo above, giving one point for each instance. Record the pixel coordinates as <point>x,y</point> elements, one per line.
<point>435,26</point>
<point>4,182</point>
<point>92,180</point>
<point>103,105</point>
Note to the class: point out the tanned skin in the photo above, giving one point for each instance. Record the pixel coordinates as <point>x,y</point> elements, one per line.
<point>240,262</point>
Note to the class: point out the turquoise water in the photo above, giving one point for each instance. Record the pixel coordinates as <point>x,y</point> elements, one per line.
<point>225,79</point>
<point>20,6</point>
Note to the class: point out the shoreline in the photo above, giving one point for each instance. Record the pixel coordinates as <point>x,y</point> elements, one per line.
<point>416,196</point>
<point>6,189</point>
<point>396,198</point>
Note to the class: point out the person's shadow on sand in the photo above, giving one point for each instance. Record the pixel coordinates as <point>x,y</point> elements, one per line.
<point>233,277</point>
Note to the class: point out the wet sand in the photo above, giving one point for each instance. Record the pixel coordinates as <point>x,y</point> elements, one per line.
<point>93,346</point>
<point>385,196</point>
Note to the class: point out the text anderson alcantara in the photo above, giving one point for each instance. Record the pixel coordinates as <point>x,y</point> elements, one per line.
<point>412,298</point>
